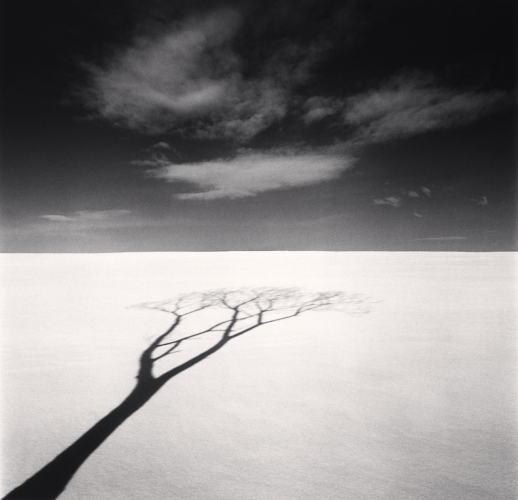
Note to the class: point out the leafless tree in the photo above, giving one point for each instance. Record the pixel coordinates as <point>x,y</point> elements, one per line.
<point>241,311</point>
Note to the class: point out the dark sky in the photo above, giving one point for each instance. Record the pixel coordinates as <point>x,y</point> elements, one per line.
<point>290,125</point>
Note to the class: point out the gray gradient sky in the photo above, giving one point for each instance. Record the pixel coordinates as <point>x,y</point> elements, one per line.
<point>201,126</point>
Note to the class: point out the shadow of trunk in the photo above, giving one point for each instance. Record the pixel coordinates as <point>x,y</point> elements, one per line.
<point>50,481</point>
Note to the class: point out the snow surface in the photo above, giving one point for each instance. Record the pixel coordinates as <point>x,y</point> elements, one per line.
<point>416,400</point>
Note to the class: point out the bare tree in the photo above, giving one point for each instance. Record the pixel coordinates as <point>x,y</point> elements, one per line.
<point>244,310</point>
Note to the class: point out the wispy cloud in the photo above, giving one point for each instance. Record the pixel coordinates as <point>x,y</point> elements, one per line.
<point>317,108</point>
<point>483,201</point>
<point>407,106</point>
<point>160,145</point>
<point>251,172</point>
<point>251,107</point>
<point>57,218</point>
<point>157,160</point>
<point>87,215</point>
<point>442,238</point>
<point>189,78</point>
<point>159,79</point>
<point>394,201</point>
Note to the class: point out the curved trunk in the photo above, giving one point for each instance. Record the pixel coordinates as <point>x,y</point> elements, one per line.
<point>50,481</point>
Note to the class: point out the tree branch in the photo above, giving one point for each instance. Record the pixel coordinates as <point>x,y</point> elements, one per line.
<point>259,323</point>
<point>162,379</point>
<point>246,305</point>
<point>169,351</point>
<point>146,360</point>
<point>211,329</point>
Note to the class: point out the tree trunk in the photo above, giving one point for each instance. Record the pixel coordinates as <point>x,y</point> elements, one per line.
<point>50,481</point>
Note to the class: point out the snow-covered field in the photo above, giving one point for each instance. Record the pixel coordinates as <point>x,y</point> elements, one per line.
<point>416,400</point>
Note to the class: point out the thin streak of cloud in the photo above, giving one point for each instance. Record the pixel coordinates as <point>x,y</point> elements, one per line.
<point>483,201</point>
<point>156,161</point>
<point>394,201</point>
<point>317,108</point>
<point>57,218</point>
<point>250,173</point>
<point>87,215</point>
<point>101,214</point>
<point>160,145</point>
<point>409,106</point>
<point>442,238</point>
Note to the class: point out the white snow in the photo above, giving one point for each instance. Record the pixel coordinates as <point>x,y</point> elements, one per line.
<point>415,400</point>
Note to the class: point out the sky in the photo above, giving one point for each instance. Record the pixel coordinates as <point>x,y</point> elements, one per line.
<point>155,125</point>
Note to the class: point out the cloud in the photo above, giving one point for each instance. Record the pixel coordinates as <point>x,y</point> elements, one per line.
<point>57,218</point>
<point>189,79</point>
<point>183,72</point>
<point>317,108</point>
<point>194,78</point>
<point>252,107</point>
<point>100,214</point>
<point>160,145</point>
<point>157,160</point>
<point>394,201</point>
<point>483,201</point>
<point>87,215</point>
<point>252,172</point>
<point>409,106</point>
<point>442,238</point>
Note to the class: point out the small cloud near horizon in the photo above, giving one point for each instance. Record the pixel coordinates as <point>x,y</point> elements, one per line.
<point>441,238</point>
<point>57,218</point>
<point>483,201</point>
<point>394,201</point>
<point>86,215</point>
<point>161,145</point>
